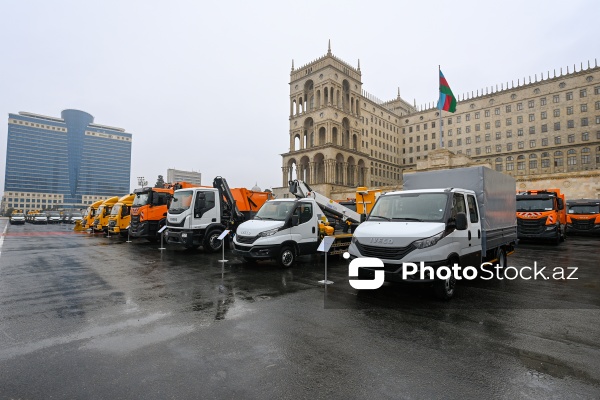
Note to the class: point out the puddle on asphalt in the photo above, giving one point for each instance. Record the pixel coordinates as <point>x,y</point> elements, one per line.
<point>551,366</point>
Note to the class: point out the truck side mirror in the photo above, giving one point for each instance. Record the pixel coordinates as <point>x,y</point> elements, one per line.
<point>295,220</point>
<point>461,221</point>
<point>363,217</point>
<point>561,204</point>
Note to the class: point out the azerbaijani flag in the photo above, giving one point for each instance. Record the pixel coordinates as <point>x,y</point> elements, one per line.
<point>447,100</point>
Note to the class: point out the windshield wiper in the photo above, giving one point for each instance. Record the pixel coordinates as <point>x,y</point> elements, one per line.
<point>407,219</point>
<point>380,216</point>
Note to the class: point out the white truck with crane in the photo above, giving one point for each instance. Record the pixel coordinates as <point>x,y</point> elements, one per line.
<point>284,229</point>
<point>197,216</point>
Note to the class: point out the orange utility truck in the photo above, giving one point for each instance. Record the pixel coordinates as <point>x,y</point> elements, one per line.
<point>149,209</point>
<point>583,216</point>
<point>541,214</point>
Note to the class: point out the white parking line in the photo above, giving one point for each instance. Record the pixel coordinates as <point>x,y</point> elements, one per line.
<point>2,238</point>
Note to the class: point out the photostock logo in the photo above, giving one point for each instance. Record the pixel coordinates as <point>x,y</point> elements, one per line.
<point>365,262</point>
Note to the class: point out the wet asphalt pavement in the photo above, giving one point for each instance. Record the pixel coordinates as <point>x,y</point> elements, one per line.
<point>88,317</point>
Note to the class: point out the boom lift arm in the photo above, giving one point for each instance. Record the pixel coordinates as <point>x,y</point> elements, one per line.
<point>229,207</point>
<point>302,190</point>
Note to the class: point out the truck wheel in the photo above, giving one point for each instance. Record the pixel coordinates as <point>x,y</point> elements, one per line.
<point>502,258</point>
<point>557,240</point>
<point>444,289</point>
<point>211,243</point>
<point>287,256</point>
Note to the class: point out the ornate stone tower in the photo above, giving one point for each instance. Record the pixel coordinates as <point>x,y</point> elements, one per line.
<point>326,144</point>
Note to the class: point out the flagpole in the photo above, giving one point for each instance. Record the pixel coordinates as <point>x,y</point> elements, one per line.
<point>440,110</point>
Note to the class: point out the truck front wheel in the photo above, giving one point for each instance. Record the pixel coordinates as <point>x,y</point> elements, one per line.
<point>211,242</point>
<point>444,288</point>
<point>287,256</point>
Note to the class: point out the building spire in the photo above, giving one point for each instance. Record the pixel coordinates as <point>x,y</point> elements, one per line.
<point>398,92</point>
<point>292,64</point>
<point>329,48</point>
<point>359,64</point>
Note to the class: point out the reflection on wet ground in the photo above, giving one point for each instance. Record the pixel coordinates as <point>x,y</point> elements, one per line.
<point>89,306</point>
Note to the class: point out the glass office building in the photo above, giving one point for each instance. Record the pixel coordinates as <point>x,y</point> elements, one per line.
<point>64,162</point>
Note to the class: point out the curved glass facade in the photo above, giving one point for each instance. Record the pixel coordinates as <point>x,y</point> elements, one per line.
<point>68,156</point>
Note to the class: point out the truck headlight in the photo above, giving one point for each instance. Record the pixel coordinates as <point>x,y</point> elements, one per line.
<point>428,242</point>
<point>270,232</point>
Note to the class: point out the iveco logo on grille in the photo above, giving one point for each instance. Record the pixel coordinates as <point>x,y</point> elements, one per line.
<point>381,241</point>
<point>247,233</point>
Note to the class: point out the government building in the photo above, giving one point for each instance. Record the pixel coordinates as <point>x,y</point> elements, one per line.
<point>66,162</point>
<point>544,131</point>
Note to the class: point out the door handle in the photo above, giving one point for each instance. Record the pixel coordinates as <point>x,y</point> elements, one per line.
<point>313,231</point>
<point>469,235</point>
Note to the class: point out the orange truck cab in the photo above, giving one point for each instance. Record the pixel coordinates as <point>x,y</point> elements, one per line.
<point>583,216</point>
<point>541,214</point>
<point>149,209</point>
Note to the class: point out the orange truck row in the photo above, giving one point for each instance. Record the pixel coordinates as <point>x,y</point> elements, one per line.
<point>546,214</point>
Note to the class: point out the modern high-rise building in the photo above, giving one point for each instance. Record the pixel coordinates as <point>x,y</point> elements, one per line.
<point>177,175</point>
<point>543,131</point>
<point>64,162</point>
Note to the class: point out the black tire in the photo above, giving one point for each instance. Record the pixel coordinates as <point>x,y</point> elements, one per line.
<point>287,257</point>
<point>211,243</point>
<point>556,241</point>
<point>502,261</point>
<point>444,289</point>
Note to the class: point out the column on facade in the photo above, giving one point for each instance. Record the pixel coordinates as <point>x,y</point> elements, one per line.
<point>313,172</point>
<point>344,173</point>
<point>286,174</point>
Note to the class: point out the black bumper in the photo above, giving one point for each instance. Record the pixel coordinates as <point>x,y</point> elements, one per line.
<point>256,252</point>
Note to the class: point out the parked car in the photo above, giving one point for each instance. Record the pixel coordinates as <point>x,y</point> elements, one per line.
<point>74,217</point>
<point>40,218</point>
<point>53,217</point>
<point>17,219</point>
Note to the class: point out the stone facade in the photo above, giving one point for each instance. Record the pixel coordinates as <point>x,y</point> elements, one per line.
<point>542,131</point>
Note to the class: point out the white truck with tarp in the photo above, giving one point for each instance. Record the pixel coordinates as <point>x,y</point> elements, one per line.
<point>463,216</point>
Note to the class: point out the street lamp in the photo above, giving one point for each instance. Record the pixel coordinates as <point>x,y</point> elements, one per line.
<point>142,181</point>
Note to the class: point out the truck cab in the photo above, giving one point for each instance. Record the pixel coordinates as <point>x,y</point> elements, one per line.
<point>541,214</point>
<point>194,219</point>
<point>120,215</point>
<point>281,230</point>
<point>583,216</point>
<point>101,219</point>
<point>87,219</point>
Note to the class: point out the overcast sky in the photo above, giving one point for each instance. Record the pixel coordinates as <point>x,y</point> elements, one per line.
<point>204,85</point>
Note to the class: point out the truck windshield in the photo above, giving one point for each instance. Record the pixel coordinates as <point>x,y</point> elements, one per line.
<point>275,210</point>
<point>181,201</point>
<point>535,204</point>
<point>116,209</point>
<point>18,215</point>
<point>423,207</point>
<point>584,209</point>
<point>141,199</point>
